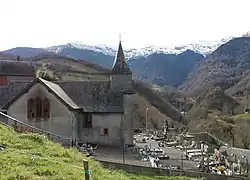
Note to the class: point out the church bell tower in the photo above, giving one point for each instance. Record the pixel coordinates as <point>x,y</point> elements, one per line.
<point>121,75</point>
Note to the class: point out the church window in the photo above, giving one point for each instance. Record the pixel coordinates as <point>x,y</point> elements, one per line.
<point>46,109</point>
<point>38,108</point>
<point>87,120</point>
<point>31,108</point>
<point>3,80</point>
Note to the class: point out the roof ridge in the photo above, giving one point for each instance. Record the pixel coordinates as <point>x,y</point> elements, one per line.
<point>77,81</point>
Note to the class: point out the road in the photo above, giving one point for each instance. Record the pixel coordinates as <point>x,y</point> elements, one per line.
<point>116,155</point>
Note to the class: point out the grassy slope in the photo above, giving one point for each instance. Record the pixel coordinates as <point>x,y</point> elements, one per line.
<point>138,104</point>
<point>16,160</point>
<point>223,126</point>
<point>159,102</point>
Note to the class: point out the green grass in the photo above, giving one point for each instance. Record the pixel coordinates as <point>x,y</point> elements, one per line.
<point>242,116</point>
<point>16,162</point>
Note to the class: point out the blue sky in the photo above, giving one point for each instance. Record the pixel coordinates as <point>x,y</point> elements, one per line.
<point>42,23</point>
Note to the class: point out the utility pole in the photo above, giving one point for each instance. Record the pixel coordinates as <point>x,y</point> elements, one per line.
<point>146,118</point>
<point>246,93</point>
<point>232,134</point>
<point>122,139</point>
<point>123,155</point>
<point>247,96</point>
<point>247,166</point>
<point>182,163</point>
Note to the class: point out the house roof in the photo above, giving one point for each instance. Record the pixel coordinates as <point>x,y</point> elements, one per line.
<point>90,96</point>
<point>60,93</point>
<point>93,96</point>
<point>21,68</point>
<point>8,92</point>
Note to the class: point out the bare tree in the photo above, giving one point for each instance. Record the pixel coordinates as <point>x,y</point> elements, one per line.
<point>242,134</point>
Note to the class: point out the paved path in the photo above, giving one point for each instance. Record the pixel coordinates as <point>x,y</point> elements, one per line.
<point>116,155</point>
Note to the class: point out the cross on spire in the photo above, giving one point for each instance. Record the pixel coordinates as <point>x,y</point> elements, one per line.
<point>120,38</point>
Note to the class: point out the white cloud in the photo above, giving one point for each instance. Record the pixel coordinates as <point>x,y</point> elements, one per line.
<point>41,23</point>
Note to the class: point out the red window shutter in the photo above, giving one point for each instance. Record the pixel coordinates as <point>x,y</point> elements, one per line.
<point>28,108</point>
<point>48,109</point>
<point>3,80</point>
<point>42,108</point>
<point>35,108</point>
<point>106,131</point>
<point>38,108</point>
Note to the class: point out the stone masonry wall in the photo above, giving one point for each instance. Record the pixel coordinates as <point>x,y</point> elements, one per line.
<point>166,172</point>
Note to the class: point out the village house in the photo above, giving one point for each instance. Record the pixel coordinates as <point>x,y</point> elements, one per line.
<point>14,77</point>
<point>84,111</point>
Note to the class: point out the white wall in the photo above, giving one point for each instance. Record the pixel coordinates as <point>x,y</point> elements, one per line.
<point>112,121</point>
<point>128,120</point>
<point>60,121</point>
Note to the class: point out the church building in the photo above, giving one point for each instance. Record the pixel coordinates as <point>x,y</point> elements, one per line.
<point>84,111</point>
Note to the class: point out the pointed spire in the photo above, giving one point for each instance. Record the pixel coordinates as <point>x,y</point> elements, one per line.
<point>120,66</point>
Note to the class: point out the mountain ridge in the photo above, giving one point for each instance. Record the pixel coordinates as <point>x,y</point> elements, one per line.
<point>201,47</point>
<point>204,48</point>
<point>158,65</point>
<point>225,67</point>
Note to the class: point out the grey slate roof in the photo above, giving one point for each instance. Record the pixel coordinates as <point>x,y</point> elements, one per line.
<point>60,92</point>
<point>8,67</point>
<point>120,66</point>
<point>90,96</point>
<point>93,96</point>
<point>8,92</point>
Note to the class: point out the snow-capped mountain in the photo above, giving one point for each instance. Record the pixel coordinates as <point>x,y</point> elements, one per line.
<point>158,65</point>
<point>202,47</point>
<point>98,48</point>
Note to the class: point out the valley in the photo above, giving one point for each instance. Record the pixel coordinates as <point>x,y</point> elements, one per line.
<point>193,92</point>
<point>202,85</point>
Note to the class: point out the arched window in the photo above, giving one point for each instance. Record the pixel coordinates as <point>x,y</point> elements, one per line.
<point>30,109</point>
<point>39,106</point>
<point>46,109</point>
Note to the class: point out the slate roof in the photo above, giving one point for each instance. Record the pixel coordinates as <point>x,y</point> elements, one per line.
<point>120,66</point>
<point>90,96</point>
<point>9,67</point>
<point>8,92</point>
<point>60,93</point>
<point>93,96</point>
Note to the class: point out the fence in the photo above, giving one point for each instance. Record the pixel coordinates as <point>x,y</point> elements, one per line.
<point>208,137</point>
<point>166,172</point>
<point>20,126</point>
